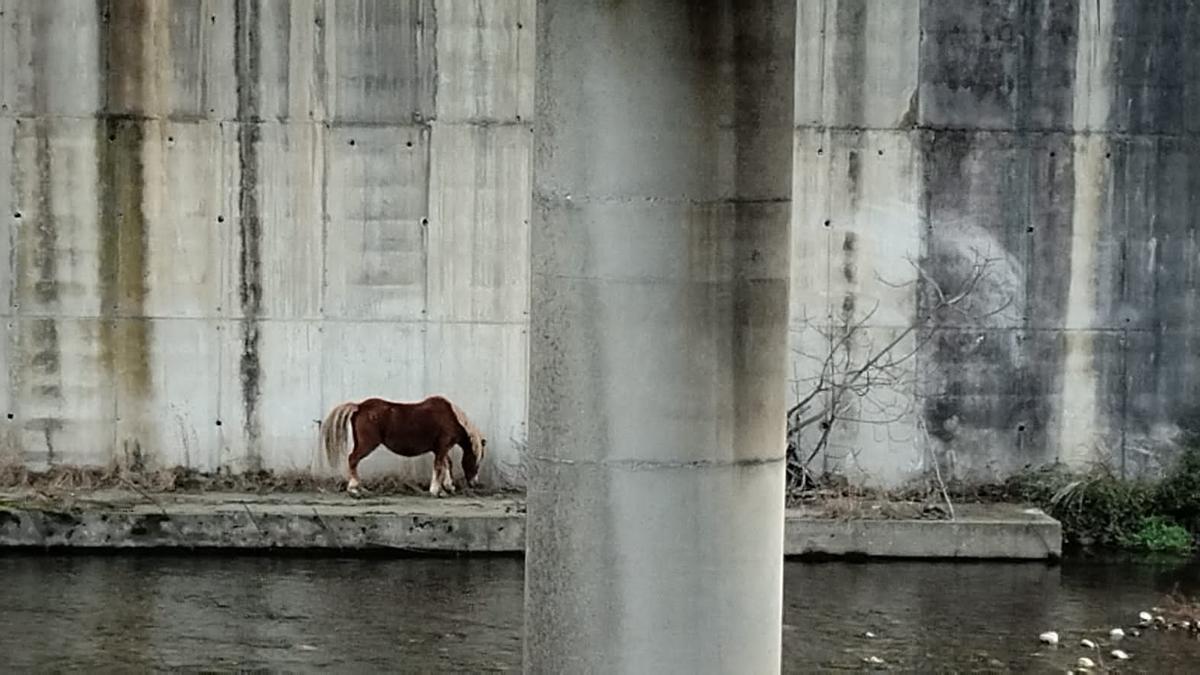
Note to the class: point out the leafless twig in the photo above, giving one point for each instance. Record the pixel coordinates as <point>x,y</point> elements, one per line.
<point>841,388</point>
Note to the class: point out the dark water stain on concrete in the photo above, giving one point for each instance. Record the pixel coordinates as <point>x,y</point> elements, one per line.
<point>1018,190</point>
<point>998,64</point>
<point>1156,189</point>
<point>247,44</point>
<point>37,280</point>
<point>850,60</point>
<point>125,333</point>
<point>1011,66</point>
<point>45,248</point>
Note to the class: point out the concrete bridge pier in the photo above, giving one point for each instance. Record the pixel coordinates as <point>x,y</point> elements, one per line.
<point>662,191</point>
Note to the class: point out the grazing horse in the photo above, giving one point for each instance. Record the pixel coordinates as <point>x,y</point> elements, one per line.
<point>408,429</point>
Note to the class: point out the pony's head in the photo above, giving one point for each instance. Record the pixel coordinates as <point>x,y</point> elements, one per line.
<point>472,457</point>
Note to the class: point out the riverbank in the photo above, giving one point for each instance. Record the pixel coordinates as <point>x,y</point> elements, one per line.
<point>134,519</point>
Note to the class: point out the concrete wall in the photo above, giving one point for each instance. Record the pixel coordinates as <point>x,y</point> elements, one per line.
<point>1055,137</point>
<point>225,216</point>
<point>243,212</point>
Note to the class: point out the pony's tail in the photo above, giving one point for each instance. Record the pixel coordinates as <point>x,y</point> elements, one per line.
<point>335,432</point>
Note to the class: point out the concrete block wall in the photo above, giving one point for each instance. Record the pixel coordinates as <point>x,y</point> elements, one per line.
<point>224,216</point>
<point>1053,137</point>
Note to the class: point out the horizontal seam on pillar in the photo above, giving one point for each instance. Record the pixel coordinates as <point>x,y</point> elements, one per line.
<point>662,280</point>
<point>650,464</point>
<point>586,199</point>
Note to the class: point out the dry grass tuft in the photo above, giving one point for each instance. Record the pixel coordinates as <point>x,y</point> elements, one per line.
<point>68,478</point>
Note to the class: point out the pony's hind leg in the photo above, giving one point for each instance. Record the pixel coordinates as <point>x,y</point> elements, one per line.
<point>364,444</point>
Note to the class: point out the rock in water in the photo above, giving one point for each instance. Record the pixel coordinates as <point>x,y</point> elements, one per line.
<point>1145,618</point>
<point>1116,633</point>
<point>1049,637</point>
<point>1086,643</point>
<point>1119,655</point>
<point>1085,662</point>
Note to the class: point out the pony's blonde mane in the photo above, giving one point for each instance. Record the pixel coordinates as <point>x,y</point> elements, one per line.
<point>472,431</point>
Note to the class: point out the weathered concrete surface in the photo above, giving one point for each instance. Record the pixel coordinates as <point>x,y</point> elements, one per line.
<point>121,519</point>
<point>993,531</point>
<point>223,217</point>
<point>658,329</point>
<point>217,213</point>
<point>1051,136</point>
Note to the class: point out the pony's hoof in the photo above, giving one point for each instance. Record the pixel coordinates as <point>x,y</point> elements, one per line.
<point>356,492</point>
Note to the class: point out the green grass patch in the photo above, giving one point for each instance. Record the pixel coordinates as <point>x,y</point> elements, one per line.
<point>1102,509</point>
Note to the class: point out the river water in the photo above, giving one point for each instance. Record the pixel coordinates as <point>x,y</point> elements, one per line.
<point>136,613</point>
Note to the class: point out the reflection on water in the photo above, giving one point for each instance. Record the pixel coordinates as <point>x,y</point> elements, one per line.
<point>146,612</point>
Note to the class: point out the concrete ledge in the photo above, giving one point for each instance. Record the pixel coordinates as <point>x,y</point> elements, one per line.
<point>979,531</point>
<point>124,520</point>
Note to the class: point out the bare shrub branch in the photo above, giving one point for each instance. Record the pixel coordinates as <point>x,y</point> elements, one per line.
<point>851,368</point>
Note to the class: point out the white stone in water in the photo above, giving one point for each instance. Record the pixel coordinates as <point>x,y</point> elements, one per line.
<point>1049,637</point>
<point>1087,643</point>
<point>1116,633</point>
<point>1085,662</point>
<point>869,634</point>
<point>1145,618</point>
<point>1119,655</point>
<point>874,660</point>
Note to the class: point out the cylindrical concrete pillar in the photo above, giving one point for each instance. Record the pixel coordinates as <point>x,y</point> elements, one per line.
<point>663,163</point>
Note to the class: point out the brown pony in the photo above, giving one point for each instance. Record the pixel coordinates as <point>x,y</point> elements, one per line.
<point>408,429</point>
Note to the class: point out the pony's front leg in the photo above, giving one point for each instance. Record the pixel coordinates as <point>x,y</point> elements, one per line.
<point>447,478</point>
<point>435,481</point>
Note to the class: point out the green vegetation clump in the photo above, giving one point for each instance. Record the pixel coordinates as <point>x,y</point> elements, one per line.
<point>1103,509</point>
<point>1157,534</point>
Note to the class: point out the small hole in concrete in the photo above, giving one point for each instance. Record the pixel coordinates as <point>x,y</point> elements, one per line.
<point>220,219</point>
<point>424,221</point>
<point>408,144</point>
<point>826,223</point>
<point>1052,153</point>
<point>820,151</point>
<point>17,214</point>
<point>351,141</point>
<point>10,416</point>
<point>520,25</point>
<point>212,19</point>
<point>218,422</point>
<point>1108,155</point>
<point>1029,229</point>
<point>881,153</point>
<point>1020,427</point>
<point>112,137</point>
<point>170,139</point>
